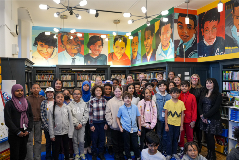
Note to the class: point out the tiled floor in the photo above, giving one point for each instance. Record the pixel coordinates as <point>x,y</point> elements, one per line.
<point>219,155</point>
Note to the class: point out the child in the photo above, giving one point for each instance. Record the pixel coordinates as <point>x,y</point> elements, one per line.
<point>170,85</point>
<point>143,82</point>
<point>97,121</point>
<point>155,82</point>
<point>126,117</point>
<point>137,88</point>
<point>60,125</point>
<point>35,100</point>
<point>177,81</point>
<point>131,90</point>
<point>45,105</point>
<point>151,153</point>
<point>57,85</point>
<point>174,116</point>
<point>115,82</point>
<point>160,76</point>
<point>190,114</point>
<point>19,120</point>
<point>234,153</point>
<point>191,152</point>
<point>112,108</point>
<point>148,112</point>
<point>161,98</point>
<point>80,115</point>
<point>108,90</point>
<point>150,86</point>
<point>67,96</point>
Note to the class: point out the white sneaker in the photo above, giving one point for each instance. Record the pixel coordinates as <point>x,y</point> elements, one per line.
<point>89,149</point>
<point>176,157</point>
<point>77,157</point>
<point>82,157</point>
<point>85,150</point>
<point>168,157</point>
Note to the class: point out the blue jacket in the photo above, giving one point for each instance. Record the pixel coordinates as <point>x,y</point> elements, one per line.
<point>160,102</point>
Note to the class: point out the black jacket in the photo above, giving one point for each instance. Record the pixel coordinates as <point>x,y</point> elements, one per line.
<point>196,92</point>
<point>234,154</point>
<point>12,118</point>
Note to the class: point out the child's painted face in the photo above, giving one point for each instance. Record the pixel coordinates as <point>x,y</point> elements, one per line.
<point>49,95</point>
<point>175,95</point>
<point>58,85</point>
<point>177,81</point>
<point>209,32</point>
<point>171,85</point>
<point>60,98</point>
<point>152,148</point>
<point>162,87</point>
<point>150,88</point>
<point>108,90</point>
<point>18,93</point>
<point>77,95</point>
<point>98,92</point>
<point>117,93</point>
<point>119,47</point>
<point>165,36</point>
<point>159,77</point>
<point>127,100</point>
<point>184,88</point>
<point>131,89</point>
<point>147,95</point>
<point>137,88</point>
<point>86,87</point>
<point>36,89</point>
<point>192,151</point>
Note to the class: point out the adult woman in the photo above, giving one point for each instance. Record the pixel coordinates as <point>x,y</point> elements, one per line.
<point>57,85</point>
<point>209,105</point>
<point>177,80</point>
<point>196,89</point>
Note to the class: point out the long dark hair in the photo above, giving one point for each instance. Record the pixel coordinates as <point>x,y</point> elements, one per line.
<point>134,94</point>
<point>215,90</point>
<point>54,106</point>
<point>54,82</point>
<point>142,95</point>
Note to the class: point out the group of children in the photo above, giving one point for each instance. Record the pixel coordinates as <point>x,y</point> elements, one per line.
<point>157,114</point>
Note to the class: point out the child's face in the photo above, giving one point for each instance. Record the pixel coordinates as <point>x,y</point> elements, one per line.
<point>18,93</point>
<point>147,95</point>
<point>143,83</point>
<point>127,100</point>
<point>171,85</point>
<point>50,95</point>
<point>36,89</point>
<point>108,90</point>
<point>150,88</point>
<point>117,93</point>
<point>60,98</point>
<point>165,36</point>
<point>177,81</point>
<point>152,148</point>
<point>159,77</point>
<point>175,95</point>
<point>115,83</point>
<point>192,151</point>
<point>86,87</point>
<point>162,87</point>
<point>137,88</point>
<point>155,83</point>
<point>77,95</point>
<point>58,85</point>
<point>131,89</point>
<point>98,92</point>
<point>184,88</point>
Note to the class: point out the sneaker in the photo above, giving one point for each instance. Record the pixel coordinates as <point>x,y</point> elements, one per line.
<point>101,156</point>
<point>85,150</point>
<point>77,157</point>
<point>94,157</point>
<point>176,157</point>
<point>82,157</point>
<point>168,157</point>
<point>181,152</point>
<point>89,149</point>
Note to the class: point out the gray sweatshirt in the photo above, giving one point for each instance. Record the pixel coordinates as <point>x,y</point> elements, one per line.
<point>63,121</point>
<point>199,157</point>
<point>80,112</point>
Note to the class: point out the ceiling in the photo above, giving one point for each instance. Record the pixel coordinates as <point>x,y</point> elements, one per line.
<point>105,20</point>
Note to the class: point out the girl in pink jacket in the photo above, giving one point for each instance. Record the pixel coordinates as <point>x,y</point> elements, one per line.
<point>148,111</point>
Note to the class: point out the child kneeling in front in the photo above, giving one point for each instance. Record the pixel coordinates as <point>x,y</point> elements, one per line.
<point>80,115</point>
<point>151,153</point>
<point>191,152</point>
<point>127,118</point>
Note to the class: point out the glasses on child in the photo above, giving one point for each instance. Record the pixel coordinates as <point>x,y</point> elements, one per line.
<point>76,94</point>
<point>194,78</point>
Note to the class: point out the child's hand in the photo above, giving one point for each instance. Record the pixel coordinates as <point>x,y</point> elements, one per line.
<point>92,128</point>
<point>166,128</point>
<point>53,139</point>
<point>181,128</point>
<point>121,129</point>
<point>139,133</point>
<point>105,127</point>
<point>192,124</point>
<point>79,126</point>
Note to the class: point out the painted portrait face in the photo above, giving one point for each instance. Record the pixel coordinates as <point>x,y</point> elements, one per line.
<point>148,41</point>
<point>236,17</point>
<point>165,36</point>
<point>71,45</point>
<point>134,46</point>
<point>44,50</point>
<point>185,31</point>
<point>96,48</point>
<point>210,31</point>
<point>119,47</point>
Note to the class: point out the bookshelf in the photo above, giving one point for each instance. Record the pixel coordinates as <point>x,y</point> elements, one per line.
<point>149,73</point>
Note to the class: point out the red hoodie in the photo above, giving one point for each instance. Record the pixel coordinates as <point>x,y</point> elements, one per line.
<point>190,105</point>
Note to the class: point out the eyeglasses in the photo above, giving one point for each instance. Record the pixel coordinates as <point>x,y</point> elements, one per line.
<point>76,94</point>
<point>194,78</point>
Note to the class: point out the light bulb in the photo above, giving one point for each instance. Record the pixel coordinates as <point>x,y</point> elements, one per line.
<point>127,14</point>
<point>143,9</point>
<point>73,31</point>
<point>57,1</point>
<point>56,30</point>
<point>106,39</point>
<point>148,23</point>
<point>187,20</point>
<point>103,36</point>
<point>79,35</point>
<point>92,11</point>
<point>128,34</point>
<point>165,19</point>
<point>131,37</point>
<point>83,3</point>
<point>164,12</point>
<point>130,21</point>
<point>220,7</point>
<point>47,33</point>
<point>78,16</point>
<point>43,6</point>
<point>114,33</point>
<point>71,37</point>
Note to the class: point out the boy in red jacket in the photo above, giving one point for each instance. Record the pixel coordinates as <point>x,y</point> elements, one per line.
<point>190,114</point>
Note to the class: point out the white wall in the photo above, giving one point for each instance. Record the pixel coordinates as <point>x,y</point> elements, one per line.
<point>25,37</point>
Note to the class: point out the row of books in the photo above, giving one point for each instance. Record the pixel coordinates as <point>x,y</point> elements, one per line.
<point>232,86</point>
<point>118,75</point>
<point>79,84</point>
<point>230,75</point>
<point>66,77</point>
<point>94,77</point>
<point>68,84</point>
<point>45,84</point>
<point>44,77</point>
<point>83,77</point>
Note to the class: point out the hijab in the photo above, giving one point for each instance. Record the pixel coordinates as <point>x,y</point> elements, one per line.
<point>20,104</point>
<point>86,94</point>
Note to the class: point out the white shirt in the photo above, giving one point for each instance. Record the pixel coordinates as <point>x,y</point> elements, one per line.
<point>146,156</point>
<point>135,101</point>
<point>41,61</point>
<point>65,59</point>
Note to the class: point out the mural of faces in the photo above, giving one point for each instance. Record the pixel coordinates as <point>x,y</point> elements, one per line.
<point>71,44</point>
<point>148,41</point>
<point>44,50</point>
<point>165,36</point>
<point>136,48</point>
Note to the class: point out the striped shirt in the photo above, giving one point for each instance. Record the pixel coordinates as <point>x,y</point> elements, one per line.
<point>97,109</point>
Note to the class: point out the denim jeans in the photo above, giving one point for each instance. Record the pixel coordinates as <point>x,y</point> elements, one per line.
<point>162,135</point>
<point>172,139</point>
<point>133,138</point>
<point>50,146</point>
<point>98,138</point>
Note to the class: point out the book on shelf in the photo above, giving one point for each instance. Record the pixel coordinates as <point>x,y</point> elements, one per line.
<point>231,86</point>
<point>230,75</point>
<point>119,75</point>
<point>68,84</point>
<point>66,77</point>
<point>40,77</point>
<point>44,84</point>
<point>83,77</point>
<point>79,84</point>
<point>94,77</point>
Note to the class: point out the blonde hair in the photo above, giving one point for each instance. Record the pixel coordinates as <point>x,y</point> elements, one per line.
<point>199,82</point>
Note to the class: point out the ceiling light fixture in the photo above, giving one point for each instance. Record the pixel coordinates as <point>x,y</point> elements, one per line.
<point>92,11</point>
<point>97,14</point>
<point>103,36</point>
<point>57,1</point>
<point>130,21</point>
<point>131,37</point>
<point>128,34</point>
<point>165,19</point>
<point>83,3</point>
<point>187,18</point>
<point>73,31</point>
<point>78,16</point>
<point>55,36</point>
<point>127,14</point>
<point>148,23</point>
<point>56,14</point>
<point>106,39</point>
<point>163,13</point>
<point>220,6</point>
<point>47,33</point>
<point>56,30</point>
<point>143,9</point>
<point>43,7</point>
<point>79,35</point>
<point>114,33</point>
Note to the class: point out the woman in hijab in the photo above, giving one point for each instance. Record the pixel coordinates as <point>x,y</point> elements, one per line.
<point>19,120</point>
<point>86,95</point>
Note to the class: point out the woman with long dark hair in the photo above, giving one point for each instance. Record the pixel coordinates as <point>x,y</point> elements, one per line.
<point>209,111</point>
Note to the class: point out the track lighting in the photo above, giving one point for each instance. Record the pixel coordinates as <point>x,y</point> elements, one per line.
<point>83,3</point>
<point>43,7</point>
<point>127,14</point>
<point>103,36</point>
<point>148,23</point>
<point>97,14</point>
<point>131,37</point>
<point>114,33</point>
<point>57,1</point>
<point>73,31</point>
<point>130,21</point>
<point>220,6</point>
<point>56,14</point>
<point>56,30</point>
<point>186,20</point>
<point>91,11</point>
<point>165,19</point>
<point>163,13</point>
<point>79,35</point>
